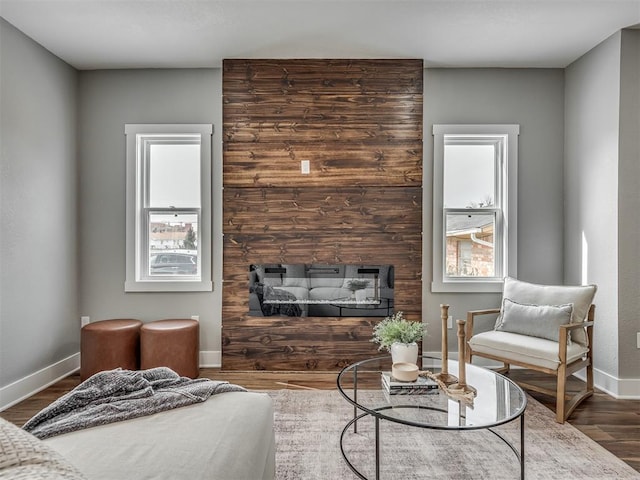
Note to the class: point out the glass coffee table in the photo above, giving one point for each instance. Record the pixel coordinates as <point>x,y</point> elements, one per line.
<point>498,401</point>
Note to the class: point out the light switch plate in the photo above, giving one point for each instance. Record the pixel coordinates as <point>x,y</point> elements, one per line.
<point>304,167</point>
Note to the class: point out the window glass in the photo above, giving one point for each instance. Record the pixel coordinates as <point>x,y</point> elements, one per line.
<point>173,245</point>
<point>469,175</point>
<point>174,175</point>
<point>470,245</point>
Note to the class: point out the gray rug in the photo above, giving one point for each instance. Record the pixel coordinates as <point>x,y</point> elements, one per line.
<point>308,426</point>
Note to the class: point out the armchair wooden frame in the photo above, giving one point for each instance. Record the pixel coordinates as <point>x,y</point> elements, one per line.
<point>565,404</point>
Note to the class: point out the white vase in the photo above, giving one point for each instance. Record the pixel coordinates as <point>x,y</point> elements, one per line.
<point>404,352</point>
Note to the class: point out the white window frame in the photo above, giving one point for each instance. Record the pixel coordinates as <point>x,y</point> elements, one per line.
<point>137,212</point>
<point>504,211</point>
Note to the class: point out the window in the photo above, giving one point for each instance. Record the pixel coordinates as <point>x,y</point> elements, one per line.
<point>474,207</point>
<point>168,208</point>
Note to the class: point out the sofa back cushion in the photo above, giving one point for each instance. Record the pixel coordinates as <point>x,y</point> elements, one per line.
<point>327,278</point>
<point>296,276</point>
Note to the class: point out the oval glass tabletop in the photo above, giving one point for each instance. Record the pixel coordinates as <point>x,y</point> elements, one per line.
<point>498,399</point>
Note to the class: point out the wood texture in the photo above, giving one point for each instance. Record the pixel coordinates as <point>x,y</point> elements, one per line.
<point>359,124</point>
<point>614,424</point>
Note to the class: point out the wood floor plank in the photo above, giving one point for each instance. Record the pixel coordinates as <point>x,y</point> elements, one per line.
<point>614,424</point>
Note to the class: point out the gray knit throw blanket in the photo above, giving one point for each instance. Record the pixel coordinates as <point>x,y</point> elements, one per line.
<point>116,395</point>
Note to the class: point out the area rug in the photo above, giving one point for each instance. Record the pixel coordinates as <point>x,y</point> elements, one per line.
<point>308,426</point>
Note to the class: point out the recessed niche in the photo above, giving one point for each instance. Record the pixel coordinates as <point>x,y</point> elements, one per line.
<point>310,290</point>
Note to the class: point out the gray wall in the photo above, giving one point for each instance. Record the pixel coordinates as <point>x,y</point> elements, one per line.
<point>629,206</point>
<point>592,100</point>
<point>39,323</point>
<point>109,99</point>
<point>532,98</point>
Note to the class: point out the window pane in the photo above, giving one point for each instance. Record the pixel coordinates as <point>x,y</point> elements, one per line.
<point>173,248</point>
<point>174,175</point>
<point>470,245</point>
<point>469,176</point>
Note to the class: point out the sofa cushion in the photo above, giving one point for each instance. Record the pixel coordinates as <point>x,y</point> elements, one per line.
<point>530,293</point>
<point>525,349</point>
<point>23,456</point>
<point>296,276</point>
<point>229,436</point>
<point>534,320</point>
<point>327,294</point>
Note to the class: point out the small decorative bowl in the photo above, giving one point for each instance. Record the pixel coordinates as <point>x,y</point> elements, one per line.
<point>405,372</point>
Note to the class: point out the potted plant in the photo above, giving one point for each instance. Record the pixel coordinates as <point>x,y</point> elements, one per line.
<point>399,336</point>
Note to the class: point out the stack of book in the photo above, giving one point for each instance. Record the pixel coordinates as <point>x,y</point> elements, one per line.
<point>422,385</point>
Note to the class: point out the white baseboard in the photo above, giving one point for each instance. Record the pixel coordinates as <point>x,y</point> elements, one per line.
<point>210,359</point>
<point>620,388</point>
<point>31,384</point>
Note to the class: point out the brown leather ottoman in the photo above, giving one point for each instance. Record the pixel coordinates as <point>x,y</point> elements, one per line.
<point>109,344</point>
<point>171,343</point>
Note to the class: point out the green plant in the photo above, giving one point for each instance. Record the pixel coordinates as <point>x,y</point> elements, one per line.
<point>396,328</point>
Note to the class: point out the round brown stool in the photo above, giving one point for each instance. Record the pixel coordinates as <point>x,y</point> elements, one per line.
<point>171,343</point>
<point>109,344</point>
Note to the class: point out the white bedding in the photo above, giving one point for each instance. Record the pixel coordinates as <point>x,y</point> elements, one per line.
<point>228,437</point>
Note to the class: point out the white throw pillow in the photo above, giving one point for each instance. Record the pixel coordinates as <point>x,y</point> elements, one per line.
<point>541,321</point>
<point>532,294</point>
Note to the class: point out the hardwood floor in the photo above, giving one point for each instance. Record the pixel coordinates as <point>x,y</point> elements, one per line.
<point>614,424</point>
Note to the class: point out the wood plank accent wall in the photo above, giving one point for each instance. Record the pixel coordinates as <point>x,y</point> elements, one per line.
<point>359,124</point>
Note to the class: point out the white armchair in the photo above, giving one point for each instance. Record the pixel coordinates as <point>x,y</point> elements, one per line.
<point>544,328</point>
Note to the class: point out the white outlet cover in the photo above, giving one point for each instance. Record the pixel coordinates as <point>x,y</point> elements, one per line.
<point>304,167</point>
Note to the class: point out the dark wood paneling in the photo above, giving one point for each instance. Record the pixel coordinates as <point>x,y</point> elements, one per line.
<point>333,77</point>
<point>278,165</point>
<point>303,209</point>
<point>359,124</point>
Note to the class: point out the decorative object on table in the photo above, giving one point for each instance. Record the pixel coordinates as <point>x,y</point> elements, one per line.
<point>462,386</point>
<point>444,376</point>
<point>422,385</point>
<point>356,284</point>
<point>405,372</point>
<point>399,336</point>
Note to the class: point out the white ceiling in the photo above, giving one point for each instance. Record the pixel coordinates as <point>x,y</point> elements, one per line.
<point>95,34</point>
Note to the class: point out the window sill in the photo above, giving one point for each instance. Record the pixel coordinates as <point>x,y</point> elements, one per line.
<point>202,286</point>
<point>467,287</point>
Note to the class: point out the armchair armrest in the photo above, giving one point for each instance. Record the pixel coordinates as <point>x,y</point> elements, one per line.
<point>474,313</point>
<point>564,336</point>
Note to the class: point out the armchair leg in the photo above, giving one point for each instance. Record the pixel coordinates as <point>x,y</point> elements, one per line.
<point>504,369</point>
<point>561,395</point>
